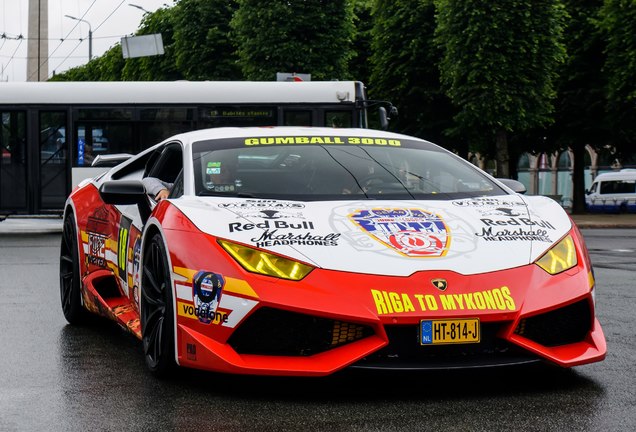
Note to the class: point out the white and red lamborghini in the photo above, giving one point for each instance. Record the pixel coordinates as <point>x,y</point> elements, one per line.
<point>303,251</point>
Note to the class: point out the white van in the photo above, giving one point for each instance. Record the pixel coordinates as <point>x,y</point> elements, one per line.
<point>613,192</point>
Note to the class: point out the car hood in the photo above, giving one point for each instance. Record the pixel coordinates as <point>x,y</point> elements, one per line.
<point>467,236</point>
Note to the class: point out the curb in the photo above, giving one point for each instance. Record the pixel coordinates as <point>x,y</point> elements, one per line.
<point>30,225</point>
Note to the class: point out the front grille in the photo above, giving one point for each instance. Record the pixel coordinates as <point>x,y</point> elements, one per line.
<point>569,324</point>
<point>271,331</point>
<point>404,351</point>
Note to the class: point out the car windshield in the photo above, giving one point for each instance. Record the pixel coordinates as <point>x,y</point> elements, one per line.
<point>334,168</point>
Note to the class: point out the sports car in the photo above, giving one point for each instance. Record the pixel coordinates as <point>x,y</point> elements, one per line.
<point>305,251</point>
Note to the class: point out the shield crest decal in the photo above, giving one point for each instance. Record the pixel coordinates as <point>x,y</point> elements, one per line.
<point>411,232</point>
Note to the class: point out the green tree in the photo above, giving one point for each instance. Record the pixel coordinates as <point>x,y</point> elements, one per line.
<point>110,64</point>
<point>499,65</point>
<point>406,68</point>
<point>294,36</point>
<point>618,23</point>
<point>580,118</point>
<point>204,50</point>
<point>360,63</point>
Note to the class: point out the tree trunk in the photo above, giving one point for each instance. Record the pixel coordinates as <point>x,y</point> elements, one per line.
<point>503,157</point>
<point>578,179</point>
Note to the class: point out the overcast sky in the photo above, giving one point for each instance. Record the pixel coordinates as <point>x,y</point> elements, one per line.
<point>109,19</point>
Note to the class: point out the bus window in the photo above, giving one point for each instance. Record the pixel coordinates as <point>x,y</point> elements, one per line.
<point>339,119</point>
<point>114,113</point>
<point>237,115</point>
<point>93,139</point>
<point>297,118</point>
<point>158,124</point>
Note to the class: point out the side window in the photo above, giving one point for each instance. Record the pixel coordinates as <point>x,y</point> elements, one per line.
<point>593,188</point>
<point>168,165</point>
<point>177,188</point>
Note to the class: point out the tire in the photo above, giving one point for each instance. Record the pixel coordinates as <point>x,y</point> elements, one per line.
<point>70,294</point>
<point>157,318</point>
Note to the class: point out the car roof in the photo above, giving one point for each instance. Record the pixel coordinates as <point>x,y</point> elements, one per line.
<point>620,175</point>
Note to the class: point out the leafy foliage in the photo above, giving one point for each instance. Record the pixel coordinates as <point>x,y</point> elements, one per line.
<point>405,68</point>
<point>499,65</point>
<point>360,64</point>
<point>294,36</point>
<point>580,118</point>
<point>618,22</point>
<point>203,47</point>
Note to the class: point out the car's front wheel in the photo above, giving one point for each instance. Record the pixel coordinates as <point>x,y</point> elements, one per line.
<point>157,319</point>
<point>70,294</point>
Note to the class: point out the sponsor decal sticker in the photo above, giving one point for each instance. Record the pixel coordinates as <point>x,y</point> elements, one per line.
<point>270,214</point>
<point>277,224</point>
<point>207,288</point>
<point>136,269</point>
<point>411,232</point>
<point>122,245</point>
<point>488,202</point>
<point>213,168</point>
<point>96,249</point>
<point>392,302</point>
<point>322,140</point>
<point>271,237</point>
<point>262,205</point>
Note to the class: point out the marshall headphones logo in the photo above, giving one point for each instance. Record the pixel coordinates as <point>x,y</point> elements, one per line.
<point>440,284</point>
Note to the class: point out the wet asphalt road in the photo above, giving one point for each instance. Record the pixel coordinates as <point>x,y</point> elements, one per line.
<point>54,377</point>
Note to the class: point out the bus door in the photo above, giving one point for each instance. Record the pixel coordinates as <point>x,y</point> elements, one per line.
<point>13,165</point>
<point>53,160</point>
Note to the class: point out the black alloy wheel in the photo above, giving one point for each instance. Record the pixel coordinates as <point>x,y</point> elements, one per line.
<point>70,294</point>
<point>157,320</point>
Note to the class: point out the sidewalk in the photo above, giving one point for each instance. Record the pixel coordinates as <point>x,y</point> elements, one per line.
<point>30,225</point>
<point>625,220</point>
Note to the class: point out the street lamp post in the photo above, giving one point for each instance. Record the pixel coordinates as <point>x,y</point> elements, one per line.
<point>90,35</point>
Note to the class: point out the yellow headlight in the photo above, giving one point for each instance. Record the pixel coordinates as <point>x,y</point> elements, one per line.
<point>257,261</point>
<point>560,258</point>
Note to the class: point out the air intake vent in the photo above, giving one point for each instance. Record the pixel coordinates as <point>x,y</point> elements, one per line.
<point>271,331</point>
<point>567,325</point>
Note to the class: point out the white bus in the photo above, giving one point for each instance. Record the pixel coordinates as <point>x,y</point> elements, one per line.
<point>52,131</point>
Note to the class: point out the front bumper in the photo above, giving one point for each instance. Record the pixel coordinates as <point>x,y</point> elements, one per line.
<point>333,320</point>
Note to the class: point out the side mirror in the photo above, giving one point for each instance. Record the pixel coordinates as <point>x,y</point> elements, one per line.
<point>515,185</point>
<point>126,192</point>
<point>384,118</point>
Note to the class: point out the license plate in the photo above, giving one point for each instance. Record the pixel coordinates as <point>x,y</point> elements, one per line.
<point>449,331</point>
